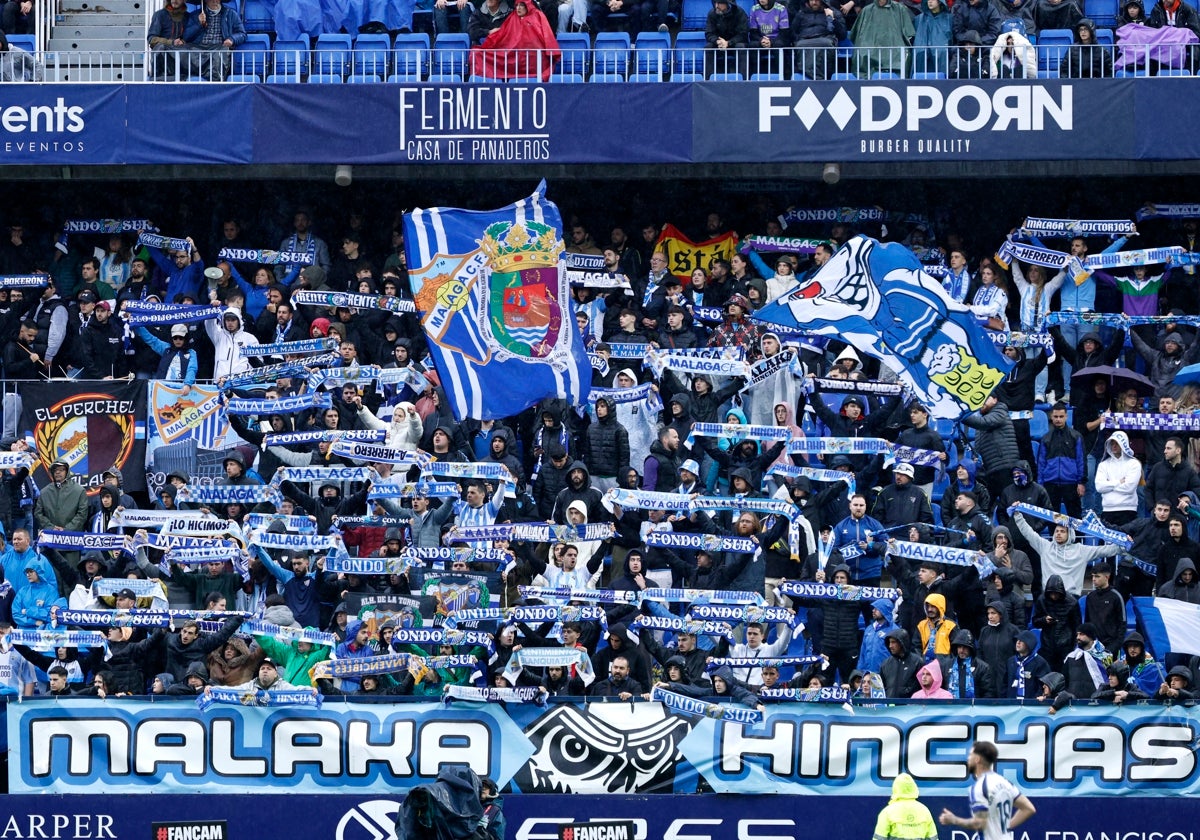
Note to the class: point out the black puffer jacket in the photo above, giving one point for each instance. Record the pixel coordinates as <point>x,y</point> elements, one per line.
<point>1056,614</point>
<point>996,441</point>
<point>841,617</point>
<point>899,673</point>
<point>584,492</point>
<point>667,476</point>
<point>607,443</point>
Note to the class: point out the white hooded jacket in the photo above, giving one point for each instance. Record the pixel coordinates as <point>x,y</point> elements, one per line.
<point>1118,475</point>
<point>229,359</point>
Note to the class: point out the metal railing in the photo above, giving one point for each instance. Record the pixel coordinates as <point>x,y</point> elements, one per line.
<point>681,63</point>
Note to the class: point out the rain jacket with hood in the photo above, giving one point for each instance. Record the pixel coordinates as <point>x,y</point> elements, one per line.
<point>957,486</point>
<point>579,488</point>
<point>1179,589</point>
<point>1056,614</point>
<point>899,671</point>
<point>349,649</point>
<point>32,605</point>
<point>1018,561</point>
<point>1108,693</point>
<point>904,818</point>
<point>62,505</point>
<point>240,668</point>
<point>1010,602</point>
<point>732,24</point>
<point>1015,60</point>
<point>933,637</point>
<point>734,690</point>
<point>1118,475</point>
<point>933,30</point>
<point>1068,560</point>
<point>1164,365</point>
<point>228,358</point>
<point>1024,674</point>
<point>995,647</point>
<point>873,652</point>
<point>935,690</point>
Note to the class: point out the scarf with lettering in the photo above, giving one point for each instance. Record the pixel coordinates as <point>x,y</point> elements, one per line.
<point>359,451</point>
<point>491,694</point>
<point>739,431</point>
<point>742,615</point>
<point>347,300</point>
<point>309,475</point>
<point>24,281</point>
<point>80,541</point>
<point>836,591</point>
<point>287,635</point>
<point>602,596</point>
<point>543,657</point>
<point>675,624</point>
<point>228,494</point>
<point>292,438</point>
<point>469,469</point>
<point>785,244</point>
<point>945,555</point>
<point>163,243</point>
<point>827,694</point>
<point>1152,422</point>
<point>442,636</point>
<point>292,348</point>
<point>178,315</point>
<point>107,225</point>
<point>1037,226</point>
<point>268,256</point>
<point>271,373</point>
<point>284,405</point>
<point>531,532</point>
<point>1090,524</point>
<point>216,694</point>
<point>647,499</point>
<point>344,564</point>
<point>760,662</point>
<point>413,490</point>
<point>702,708</point>
<point>701,542</point>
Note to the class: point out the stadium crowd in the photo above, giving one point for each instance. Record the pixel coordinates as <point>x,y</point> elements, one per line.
<point>1047,622</point>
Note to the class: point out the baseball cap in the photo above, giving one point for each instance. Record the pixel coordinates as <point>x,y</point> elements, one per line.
<point>268,661</point>
<point>87,296</point>
<point>105,305</point>
<point>127,593</point>
<point>904,469</point>
<point>179,330</point>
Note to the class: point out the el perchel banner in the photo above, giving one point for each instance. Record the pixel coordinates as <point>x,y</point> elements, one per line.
<point>481,124</point>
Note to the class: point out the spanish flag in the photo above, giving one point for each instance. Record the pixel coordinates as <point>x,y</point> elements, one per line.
<point>684,256</point>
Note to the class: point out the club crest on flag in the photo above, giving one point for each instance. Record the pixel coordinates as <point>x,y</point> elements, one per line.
<point>198,414</point>
<point>524,312</point>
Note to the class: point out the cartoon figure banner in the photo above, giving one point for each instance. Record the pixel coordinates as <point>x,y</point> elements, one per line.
<point>90,425</point>
<point>879,299</point>
<point>491,289</point>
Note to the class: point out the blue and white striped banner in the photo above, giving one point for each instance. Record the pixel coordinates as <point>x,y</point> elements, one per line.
<point>284,405</point>
<point>292,438</point>
<point>349,300</point>
<point>267,256</point>
<point>742,615</point>
<point>701,542</point>
<point>836,591</point>
<point>703,708</point>
<point>675,624</point>
<point>230,696</point>
<point>292,348</point>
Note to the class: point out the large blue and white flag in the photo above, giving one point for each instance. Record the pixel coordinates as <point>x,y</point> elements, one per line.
<point>491,290</point>
<point>1168,625</point>
<point>879,299</point>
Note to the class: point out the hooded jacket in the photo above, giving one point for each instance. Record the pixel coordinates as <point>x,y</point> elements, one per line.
<point>899,673</point>
<point>1164,365</point>
<point>1056,614</point>
<point>1021,63</point>
<point>733,25</point>
<point>1143,669</point>
<point>1118,475</point>
<point>586,493</point>
<point>1178,589</point>
<point>1010,602</point>
<point>181,656</point>
<point>228,358</point>
<point>1166,481</point>
<point>241,668</point>
<point>1108,693</point>
<point>1068,560</point>
<point>935,690</point>
<point>1086,61</point>
<point>1024,674</point>
<point>938,633</point>
<point>996,441</point>
<point>904,818</point>
<point>873,652</point>
<point>33,602</point>
<point>995,647</point>
<point>62,505</point>
<point>734,690</point>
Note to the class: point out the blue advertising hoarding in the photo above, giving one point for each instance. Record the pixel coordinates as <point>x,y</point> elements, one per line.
<point>619,124</point>
<point>93,746</point>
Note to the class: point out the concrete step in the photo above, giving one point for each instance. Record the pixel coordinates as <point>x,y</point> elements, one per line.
<point>76,73</point>
<point>122,7</point>
<point>81,33</point>
<point>98,19</point>
<point>136,43</point>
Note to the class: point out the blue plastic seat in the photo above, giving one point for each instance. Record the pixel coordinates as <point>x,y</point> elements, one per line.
<point>885,75</point>
<point>291,58</point>
<point>766,77</point>
<point>24,42</point>
<point>403,78</point>
<point>566,79</point>
<point>607,78</point>
<point>324,79</point>
<point>695,14</point>
<point>331,55</point>
<point>689,53</point>
<point>576,53</point>
<point>727,77</point>
<point>1173,71</point>
<point>1052,46</point>
<point>362,79</point>
<point>646,78</point>
<point>650,52</point>
<point>372,56</point>
<point>256,17</point>
<point>687,77</point>
<point>412,54</point>
<point>243,78</point>
<point>610,53</point>
<point>928,76</point>
<point>282,79</point>
<point>444,78</point>
<point>449,56</point>
<point>251,55</point>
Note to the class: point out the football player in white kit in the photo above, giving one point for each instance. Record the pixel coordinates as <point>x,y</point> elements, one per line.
<point>997,807</point>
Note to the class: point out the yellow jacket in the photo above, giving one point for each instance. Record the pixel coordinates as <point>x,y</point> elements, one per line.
<point>943,631</point>
<point>904,818</point>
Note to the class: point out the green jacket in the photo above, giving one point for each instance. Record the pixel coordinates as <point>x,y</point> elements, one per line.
<point>293,665</point>
<point>62,506</point>
<point>904,818</point>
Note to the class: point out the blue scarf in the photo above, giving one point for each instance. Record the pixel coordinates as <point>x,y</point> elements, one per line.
<point>952,681</point>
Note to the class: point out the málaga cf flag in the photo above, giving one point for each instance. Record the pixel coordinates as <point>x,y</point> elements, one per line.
<point>877,298</point>
<point>491,291</point>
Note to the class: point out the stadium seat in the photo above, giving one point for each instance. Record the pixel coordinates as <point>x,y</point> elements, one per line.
<point>1103,12</point>
<point>843,77</point>
<point>282,79</point>
<point>331,55</point>
<point>651,52</point>
<point>727,77</point>
<point>886,75</point>
<point>576,51</point>
<point>1052,46</point>
<point>1047,73</point>
<point>695,15</point>
<point>607,78</point>
<point>646,78</point>
<point>1105,37</point>
<point>412,54</point>
<point>257,17</point>
<point>251,55</point>
<point>362,79</point>
<point>372,56</point>
<point>928,76</point>
<point>444,78</point>
<point>1173,71</point>
<point>325,79</point>
<point>689,53</point>
<point>566,79</point>
<point>610,54</point>
<point>687,77</point>
<point>1039,425</point>
<point>449,56</point>
<point>766,77</point>
<point>243,78</point>
<point>290,58</point>
<point>403,78</point>
<point>24,42</point>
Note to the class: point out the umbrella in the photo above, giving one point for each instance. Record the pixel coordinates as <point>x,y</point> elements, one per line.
<point>1119,379</point>
<point>1189,375</point>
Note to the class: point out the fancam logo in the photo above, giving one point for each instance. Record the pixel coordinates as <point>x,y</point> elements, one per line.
<point>197,830</point>
<point>374,819</point>
<point>914,107</point>
<point>38,119</point>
